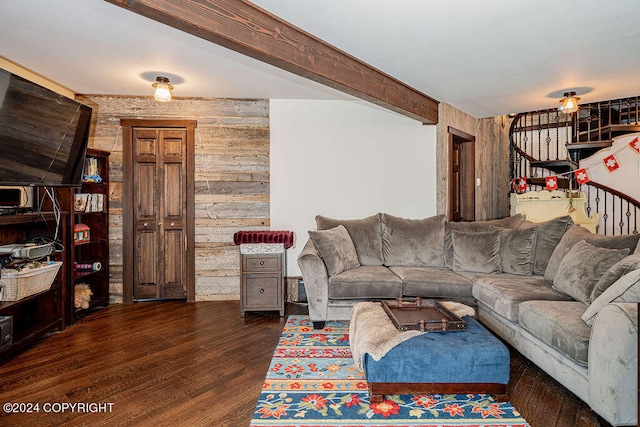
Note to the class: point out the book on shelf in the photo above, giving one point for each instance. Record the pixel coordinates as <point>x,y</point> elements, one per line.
<point>80,202</point>
<point>89,202</point>
<point>91,170</point>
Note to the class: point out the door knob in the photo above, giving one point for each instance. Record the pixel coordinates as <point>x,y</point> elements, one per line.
<point>145,224</point>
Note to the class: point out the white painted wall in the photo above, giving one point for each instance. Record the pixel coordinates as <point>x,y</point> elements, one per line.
<point>626,179</point>
<point>346,159</point>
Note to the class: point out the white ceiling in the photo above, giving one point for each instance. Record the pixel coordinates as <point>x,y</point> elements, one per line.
<point>487,58</point>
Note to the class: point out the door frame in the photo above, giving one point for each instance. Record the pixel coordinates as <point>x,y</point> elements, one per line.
<point>467,173</point>
<point>128,220</point>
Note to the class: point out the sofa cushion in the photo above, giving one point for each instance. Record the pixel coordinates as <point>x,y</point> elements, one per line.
<point>413,242</point>
<point>503,292</point>
<point>622,267</point>
<point>582,267</point>
<point>625,289</point>
<point>576,233</point>
<point>365,282</point>
<point>366,234</point>
<point>509,222</point>
<point>549,234</point>
<point>477,252</point>
<point>516,250</point>
<point>336,249</point>
<point>433,282</point>
<point>558,324</point>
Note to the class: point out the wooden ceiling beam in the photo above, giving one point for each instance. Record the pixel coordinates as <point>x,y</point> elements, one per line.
<point>245,28</point>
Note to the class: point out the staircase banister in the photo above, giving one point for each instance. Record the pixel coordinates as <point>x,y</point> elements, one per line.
<point>615,192</point>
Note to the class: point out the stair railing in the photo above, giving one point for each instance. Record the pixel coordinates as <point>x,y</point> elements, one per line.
<point>538,148</point>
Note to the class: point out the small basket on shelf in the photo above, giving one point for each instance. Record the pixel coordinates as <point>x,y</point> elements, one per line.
<point>17,285</point>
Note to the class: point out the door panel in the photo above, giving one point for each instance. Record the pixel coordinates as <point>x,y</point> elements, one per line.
<point>173,196</point>
<point>146,261</point>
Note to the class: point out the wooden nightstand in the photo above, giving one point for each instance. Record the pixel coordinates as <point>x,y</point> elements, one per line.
<point>262,282</point>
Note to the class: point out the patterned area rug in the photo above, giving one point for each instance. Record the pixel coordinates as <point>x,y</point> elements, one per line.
<point>312,382</point>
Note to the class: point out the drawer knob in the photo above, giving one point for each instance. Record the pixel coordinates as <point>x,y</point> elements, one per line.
<point>145,224</point>
<point>261,262</point>
<point>262,290</point>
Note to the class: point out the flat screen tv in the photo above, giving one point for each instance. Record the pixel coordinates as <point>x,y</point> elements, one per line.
<point>43,135</point>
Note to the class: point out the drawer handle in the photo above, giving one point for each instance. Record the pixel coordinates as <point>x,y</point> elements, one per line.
<point>261,262</point>
<point>262,290</point>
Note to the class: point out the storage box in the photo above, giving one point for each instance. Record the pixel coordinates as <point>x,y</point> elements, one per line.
<point>30,281</point>
<point>81,233</point>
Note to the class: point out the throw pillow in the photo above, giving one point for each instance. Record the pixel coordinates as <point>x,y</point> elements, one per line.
<point>549,234</point>
<point>625,289</point>
<point>625,265</point>
<point>576,233</point>
<point>582,267</point>
<point>336,249</point>
<point>413,242</point>
<point>366,234</point>
<point>516,250</point>
<point>476,252</point>
<point>508,222</point>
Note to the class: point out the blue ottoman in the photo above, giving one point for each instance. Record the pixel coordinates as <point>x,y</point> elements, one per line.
<point>468,361</point>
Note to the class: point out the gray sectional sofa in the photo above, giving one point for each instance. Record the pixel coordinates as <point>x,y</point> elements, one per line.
<point>562,296</point>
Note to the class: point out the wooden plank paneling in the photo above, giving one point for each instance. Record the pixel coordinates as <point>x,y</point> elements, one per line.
<point>232,178</point>
<point>491,161</point>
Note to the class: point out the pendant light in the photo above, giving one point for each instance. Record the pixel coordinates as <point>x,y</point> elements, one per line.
<point>163,89</point>
<point>569,104</point>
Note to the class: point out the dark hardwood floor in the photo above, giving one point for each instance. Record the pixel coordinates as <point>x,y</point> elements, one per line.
<point>198,364</point>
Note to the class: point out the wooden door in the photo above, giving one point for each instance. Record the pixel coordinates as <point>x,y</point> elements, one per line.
<point>461,176</point>
<point>160,195</point>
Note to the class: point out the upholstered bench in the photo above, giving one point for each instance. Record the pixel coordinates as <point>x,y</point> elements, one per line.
<point>468,361</point>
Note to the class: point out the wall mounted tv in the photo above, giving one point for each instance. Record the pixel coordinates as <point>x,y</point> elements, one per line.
<point>43,135</point>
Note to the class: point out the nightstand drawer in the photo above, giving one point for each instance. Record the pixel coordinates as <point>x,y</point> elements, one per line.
<point>256,263</point>
<point>262,291</point>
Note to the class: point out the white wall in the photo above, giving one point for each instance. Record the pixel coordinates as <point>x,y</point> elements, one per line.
<point>626,179</point>
<point>346,159</point>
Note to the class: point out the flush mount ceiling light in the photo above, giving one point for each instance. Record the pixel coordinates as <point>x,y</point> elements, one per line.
<point>163,89</point>
<point>569,104</point>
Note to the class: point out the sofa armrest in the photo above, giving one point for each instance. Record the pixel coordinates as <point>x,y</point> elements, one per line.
<point>316,281</point>
<point>613,363</point>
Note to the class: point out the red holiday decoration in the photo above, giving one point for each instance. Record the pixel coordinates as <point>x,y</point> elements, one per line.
<point>581,176</point>
<point>551,183</point>
<point>635,145</point>
<point>611,163</point>
<point>522,184</point>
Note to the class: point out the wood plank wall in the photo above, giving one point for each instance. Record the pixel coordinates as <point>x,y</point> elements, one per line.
<point>492,160</point>
<point>231,182</point>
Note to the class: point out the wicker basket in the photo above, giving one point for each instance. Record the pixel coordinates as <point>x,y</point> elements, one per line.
<point>21,284</point>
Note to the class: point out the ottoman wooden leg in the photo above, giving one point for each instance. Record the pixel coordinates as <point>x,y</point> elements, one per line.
<point>373,397</point>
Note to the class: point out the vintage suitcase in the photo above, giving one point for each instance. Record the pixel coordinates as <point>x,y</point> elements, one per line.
<point>426,315</point>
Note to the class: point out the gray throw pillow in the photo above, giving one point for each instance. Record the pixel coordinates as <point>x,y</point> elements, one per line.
<point>582,267</point>
<point>508,222</point>
<point>366,234</point>
<point>516,250</point>
<point>336,249</point>
<point>476,252</point>
<point>625,289</point>
<point>576,233</point>
<point>413,242</point>
<point>625,265</point>
<point>549,234</point>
